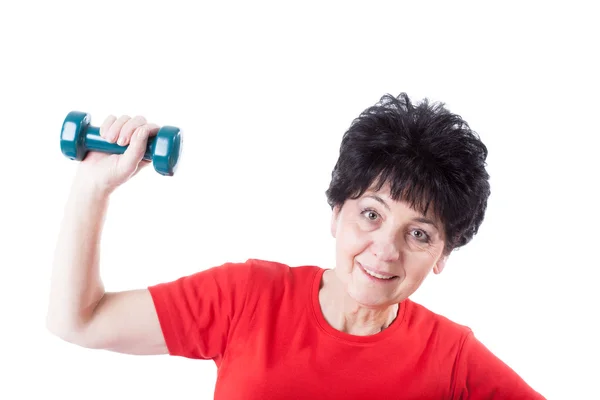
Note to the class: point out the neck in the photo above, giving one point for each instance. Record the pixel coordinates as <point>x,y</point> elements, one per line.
<point>346,315</point>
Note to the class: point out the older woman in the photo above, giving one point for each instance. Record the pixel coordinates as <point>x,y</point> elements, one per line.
<point>409,187</point>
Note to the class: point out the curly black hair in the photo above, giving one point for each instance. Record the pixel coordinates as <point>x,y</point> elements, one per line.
<point>427,155</point>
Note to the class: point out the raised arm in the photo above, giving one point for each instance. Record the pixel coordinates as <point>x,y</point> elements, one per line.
<point>79,309</point>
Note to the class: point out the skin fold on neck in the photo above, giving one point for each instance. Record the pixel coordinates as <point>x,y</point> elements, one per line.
<point>346,315</point>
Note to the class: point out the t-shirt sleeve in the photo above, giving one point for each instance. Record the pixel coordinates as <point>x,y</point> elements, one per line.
<point>479,374</point>
<point>197,312</point>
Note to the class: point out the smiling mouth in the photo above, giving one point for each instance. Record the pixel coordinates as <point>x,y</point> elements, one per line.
<point>376,276</point>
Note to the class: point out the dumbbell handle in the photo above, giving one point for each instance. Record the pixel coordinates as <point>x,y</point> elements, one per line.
<point>95,142</point>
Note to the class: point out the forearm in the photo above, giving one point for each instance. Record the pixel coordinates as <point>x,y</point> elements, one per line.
<point>76,287</point>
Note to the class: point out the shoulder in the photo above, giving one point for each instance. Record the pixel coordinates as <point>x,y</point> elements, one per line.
<point>276,280</point>
<point>273,271</point>
<point>424,320</point>
<point>254,269</point>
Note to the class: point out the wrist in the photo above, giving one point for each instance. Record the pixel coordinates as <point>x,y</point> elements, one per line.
<point>88,187</point>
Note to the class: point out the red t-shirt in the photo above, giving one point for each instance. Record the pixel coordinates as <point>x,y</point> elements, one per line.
<point>261,323</point>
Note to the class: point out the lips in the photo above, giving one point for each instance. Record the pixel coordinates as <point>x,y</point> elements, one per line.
<point>377,274</point>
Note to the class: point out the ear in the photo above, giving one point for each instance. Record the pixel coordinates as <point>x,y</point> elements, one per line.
<point>439,266</point>
<point>334,220</point>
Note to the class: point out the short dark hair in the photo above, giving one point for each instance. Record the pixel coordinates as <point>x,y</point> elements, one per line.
<point>426,154</point>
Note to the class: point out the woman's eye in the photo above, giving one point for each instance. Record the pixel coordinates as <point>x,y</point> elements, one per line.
<point>370,214</point>
<point>421,236</point>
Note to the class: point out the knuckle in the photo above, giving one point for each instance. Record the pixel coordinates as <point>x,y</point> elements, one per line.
<point>109,120</point>
<point>142,131</point>
<point>106,125</point>
<point>123,119</point>
<point>131,127</point>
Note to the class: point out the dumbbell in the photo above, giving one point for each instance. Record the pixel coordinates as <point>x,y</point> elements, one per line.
<point>77,137</point>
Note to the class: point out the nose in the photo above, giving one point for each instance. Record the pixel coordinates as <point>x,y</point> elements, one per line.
<point>386,248</point>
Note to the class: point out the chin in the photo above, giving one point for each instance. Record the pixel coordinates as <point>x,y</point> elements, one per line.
<point>373,296</point>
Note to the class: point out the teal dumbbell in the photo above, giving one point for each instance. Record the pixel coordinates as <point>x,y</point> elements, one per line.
<point>77,137</point>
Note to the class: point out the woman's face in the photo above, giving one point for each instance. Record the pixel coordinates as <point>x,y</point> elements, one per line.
<point>376,233</point>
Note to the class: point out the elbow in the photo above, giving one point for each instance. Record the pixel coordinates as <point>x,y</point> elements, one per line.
<point>66,332</point>
<point>61,332</point>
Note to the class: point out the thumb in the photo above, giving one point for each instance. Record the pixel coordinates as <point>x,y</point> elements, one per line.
<point>143,164</point>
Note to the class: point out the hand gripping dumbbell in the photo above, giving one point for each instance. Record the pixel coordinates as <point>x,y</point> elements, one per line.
<point>78,137</point>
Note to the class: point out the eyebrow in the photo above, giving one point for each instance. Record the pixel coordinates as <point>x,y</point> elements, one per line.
<point>418,219</point>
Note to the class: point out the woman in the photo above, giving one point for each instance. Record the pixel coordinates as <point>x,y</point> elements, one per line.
<point>409,187</point>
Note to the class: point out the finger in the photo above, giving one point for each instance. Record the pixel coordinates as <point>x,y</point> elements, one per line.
<point>115,128</point>
<point>128,129</point>
<point>135,152</point>
<point>106,124</point>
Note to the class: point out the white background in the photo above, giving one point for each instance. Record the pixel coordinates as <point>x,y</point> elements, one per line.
<point>263,93</point>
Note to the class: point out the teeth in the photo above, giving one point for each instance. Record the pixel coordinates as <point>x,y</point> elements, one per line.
<point>376,275</point>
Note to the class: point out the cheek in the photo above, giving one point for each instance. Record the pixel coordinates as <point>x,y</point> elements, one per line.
<point>417,267</point>
<point>351,241</point>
